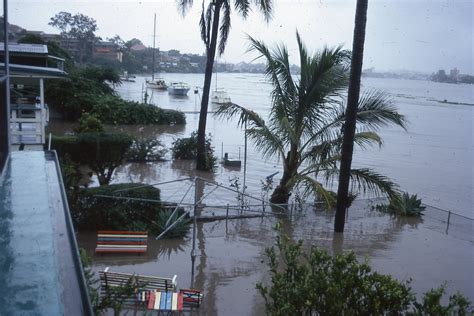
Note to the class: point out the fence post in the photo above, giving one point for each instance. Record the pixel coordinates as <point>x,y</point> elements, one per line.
<point>449,219</point>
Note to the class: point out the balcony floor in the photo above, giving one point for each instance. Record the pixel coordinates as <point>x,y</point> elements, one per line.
<point>37,273</point>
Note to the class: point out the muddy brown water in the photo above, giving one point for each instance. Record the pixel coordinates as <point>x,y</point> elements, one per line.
<point>230,254</point>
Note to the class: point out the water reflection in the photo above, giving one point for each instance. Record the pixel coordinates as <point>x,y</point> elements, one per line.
<point>230,255</point>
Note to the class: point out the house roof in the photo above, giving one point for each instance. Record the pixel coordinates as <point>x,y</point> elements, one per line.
<point>25,71</point>
<point>25,48</point>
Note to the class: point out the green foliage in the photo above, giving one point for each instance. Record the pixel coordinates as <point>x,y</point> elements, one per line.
<point>406,205</point>
<point>101,152</point>
<point>92,212</point>
<point>186,148</point>
<point>31,39</point>
<point>126,206</point>
<point>431,304</point>
<point>89,123</point>
<point>180,229</point>
<point>91,281</point>
<point>403,205</point>
<point>78,27</point>
<point>88,89</point>
<point>316,283</point>
<point>306,121</point>
<point>114,110</point>
<point>146,150</point>
<point>114,296</point>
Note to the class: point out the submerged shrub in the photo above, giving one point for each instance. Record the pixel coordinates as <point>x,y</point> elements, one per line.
<point>89,123</point>
<point>93,212</point>
<point>186,148</point>
<point>146,150</point>
<point>404,205</point>
<point>165,220</point>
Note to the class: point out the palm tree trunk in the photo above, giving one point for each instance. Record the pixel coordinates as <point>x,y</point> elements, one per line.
<point>351,114</point>
<point>281,195</point>
<point>211,53</point>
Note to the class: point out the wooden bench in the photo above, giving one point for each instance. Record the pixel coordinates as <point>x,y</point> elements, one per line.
<point>121,241</point>
<point>110,280</point>
<point>191,297</point>
<point>165,301</point>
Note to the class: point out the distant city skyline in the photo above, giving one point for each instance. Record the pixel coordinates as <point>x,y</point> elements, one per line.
<point>413,35</point>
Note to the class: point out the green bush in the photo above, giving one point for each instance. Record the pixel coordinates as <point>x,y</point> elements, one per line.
<point>89,123</point>
<point>316,283</point>
<point>102,152</point>
<point>92,212</point>
<point>114,110</point>
<point>88,90</point>
<point>146,150</point>
<point>186,148</point>
<point>179,229</point>
<point>126,206</point>
<point>404,205</point>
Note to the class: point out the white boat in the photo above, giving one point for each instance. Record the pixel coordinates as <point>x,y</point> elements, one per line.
<point>158,83</point>
<point>155,83</point>
<point>220,96</point>
<point>178,88</point>
<point>126,77</point>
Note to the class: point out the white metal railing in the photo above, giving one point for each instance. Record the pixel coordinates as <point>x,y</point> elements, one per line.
<point>27,124</point>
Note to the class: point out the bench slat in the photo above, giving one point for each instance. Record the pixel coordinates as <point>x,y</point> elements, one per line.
<point>121,241</point>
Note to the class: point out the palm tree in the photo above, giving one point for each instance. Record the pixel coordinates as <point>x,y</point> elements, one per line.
<point>351,116</point>
<point>306,121</point>
<point>211,23</point>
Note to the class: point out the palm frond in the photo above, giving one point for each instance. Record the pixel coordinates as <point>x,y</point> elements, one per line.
<point>243,7</point>
<point>265,140</point>
<point>230,110</point>
<point>367,180</point>
<point>376,109</point>
<point>184,6</point>
<point>266,7</point>
<point>225,27</point>
<point>317,188</point>
<point>271,68</point>
<point>209,12</point>
<point>203,27</point>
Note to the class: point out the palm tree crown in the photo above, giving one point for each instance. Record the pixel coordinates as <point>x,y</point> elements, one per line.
<point>307,118</point>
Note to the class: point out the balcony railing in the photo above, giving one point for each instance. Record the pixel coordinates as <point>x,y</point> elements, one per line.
<point>27,123</point>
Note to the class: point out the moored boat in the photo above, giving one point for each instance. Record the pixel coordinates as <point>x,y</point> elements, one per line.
<point>157,83</point>
<point>220,96</point>
<point>178,88</point>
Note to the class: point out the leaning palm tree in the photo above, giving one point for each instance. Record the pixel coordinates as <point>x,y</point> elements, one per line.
<point>306,121</point>
<point>211,23</point>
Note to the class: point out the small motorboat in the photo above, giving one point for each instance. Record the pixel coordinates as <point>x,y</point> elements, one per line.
<point>178,88</point>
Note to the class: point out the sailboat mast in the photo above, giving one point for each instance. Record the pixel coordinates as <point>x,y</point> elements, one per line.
<point>153,58</point>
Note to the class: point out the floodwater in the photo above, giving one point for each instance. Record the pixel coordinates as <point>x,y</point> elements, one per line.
<point>231,260</point>
<point>433,159</point>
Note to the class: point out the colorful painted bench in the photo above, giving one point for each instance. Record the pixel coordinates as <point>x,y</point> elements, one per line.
<point>191,297</point>
<point>110,280</point>
<point>164,301</point>
<point>121,241</point>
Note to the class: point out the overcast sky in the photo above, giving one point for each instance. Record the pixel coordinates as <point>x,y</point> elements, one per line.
<point>422,35</point>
